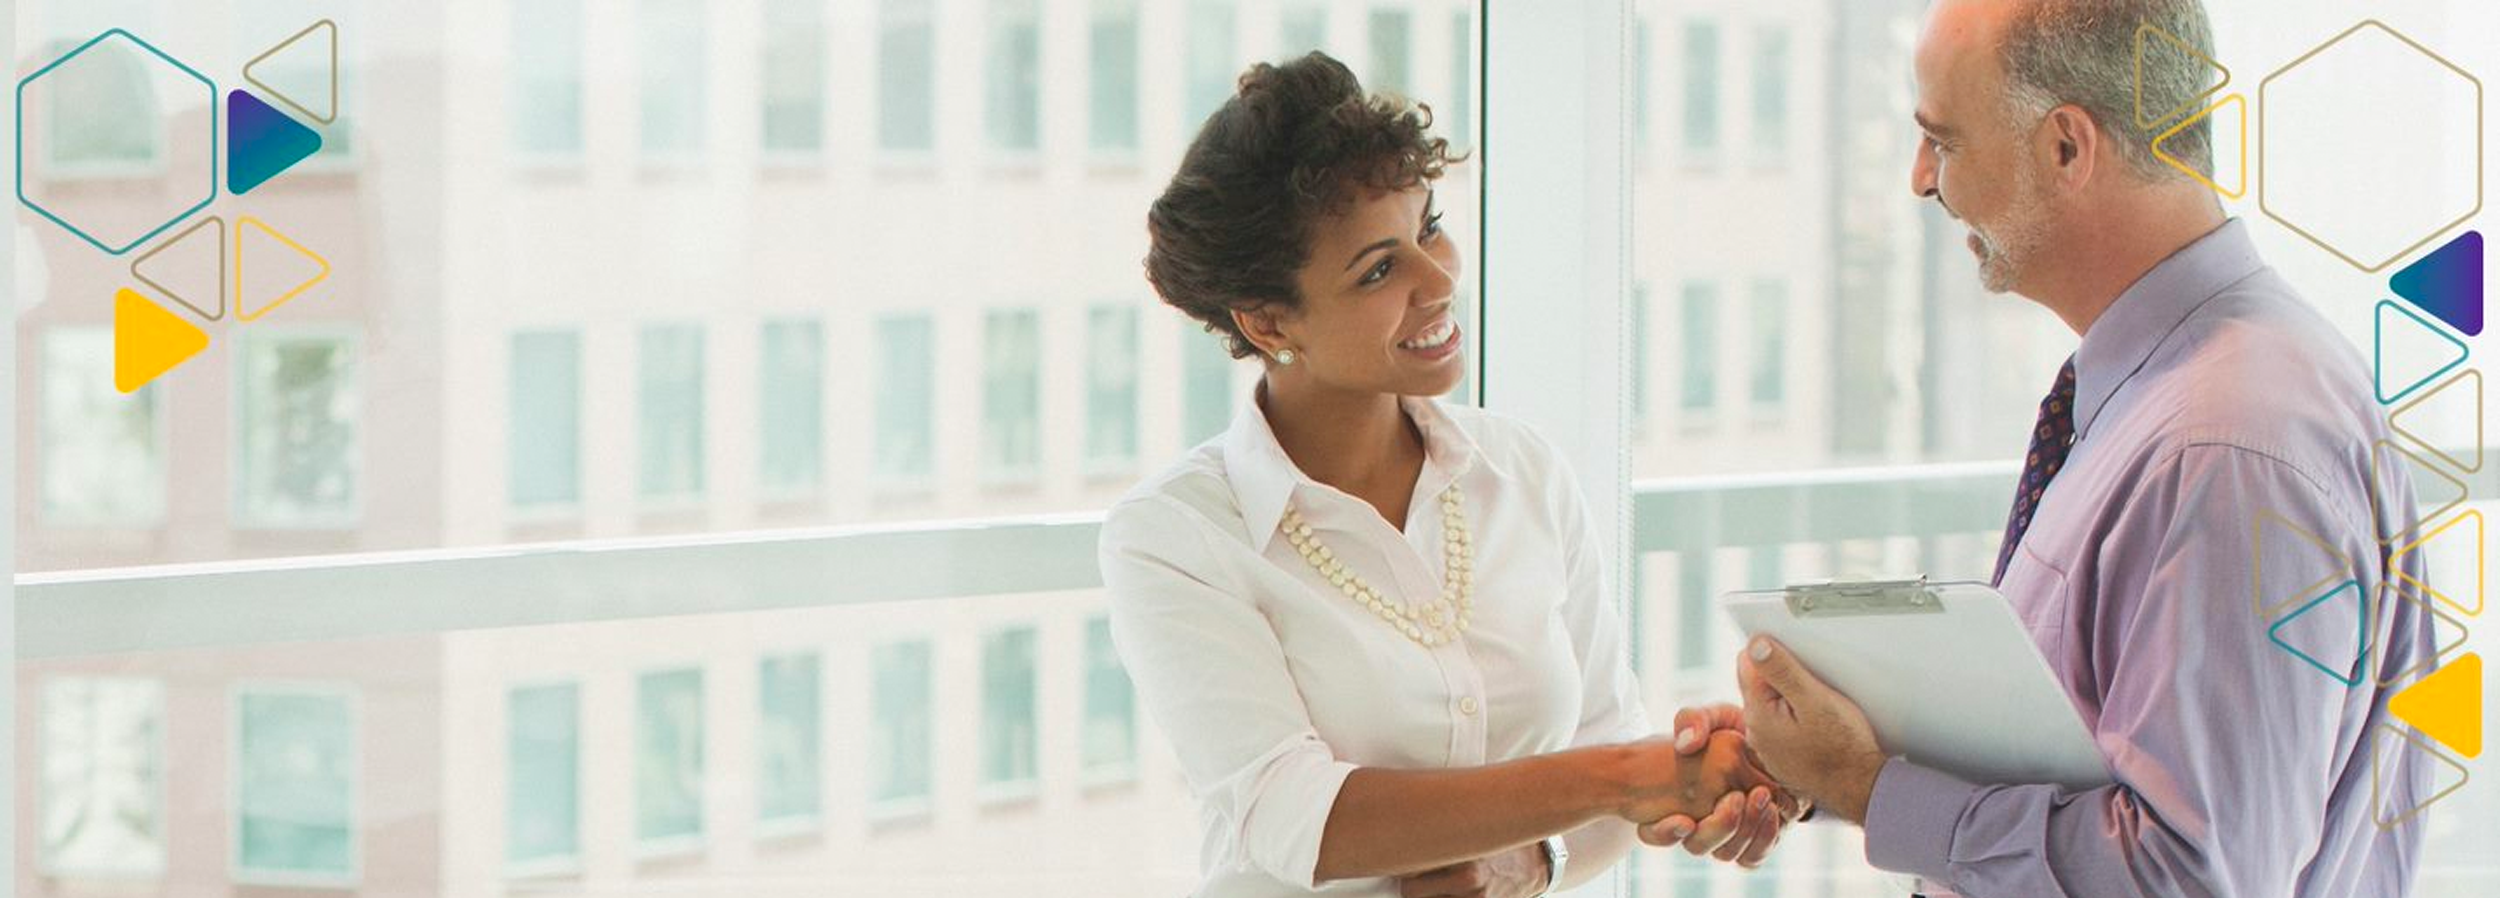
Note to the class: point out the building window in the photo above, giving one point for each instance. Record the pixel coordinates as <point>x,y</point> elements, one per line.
<point>906,76</point>
<point>103,450</point>
<point>295,789</point>
<point>668,760</point>
<point>1108,742</point>
<point>670,388</point>
<point>789,734</point>
<point>791,408</point>
<point>1701,89</point>
<point>906,391</point>
<point>1111,43</point>
<point>1211,65</point>
<point>900,735</point>
<point>1640,87</point>
<point>794,77</point>
<point>1207,384</point>
<point>303,71</point>
<point>546,61</point>
<point>1011,395</point>
<point>1639,317</point>
<point>1302,28</point>
<point>543,796</point>
<point>1701,347</point>
<point>1461,127</point>
<point>103,763</point>
<point>1111,389</point>
<point>1770,93</point>
<point>544,433</point>
<point>673,72</point>
<point>1769,385</point>
<point>1009,721</point>
<point>296,431</point>
<point>82,96</point>
<point>1392,37</point>
<point>1014,63</point>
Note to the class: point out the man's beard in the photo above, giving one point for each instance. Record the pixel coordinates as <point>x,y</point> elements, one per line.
<point>2007,246</point>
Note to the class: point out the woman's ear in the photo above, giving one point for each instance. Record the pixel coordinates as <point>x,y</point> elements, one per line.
<point>1263,326</point>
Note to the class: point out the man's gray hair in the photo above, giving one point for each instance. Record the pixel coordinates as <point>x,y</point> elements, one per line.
<point>2084,52</point>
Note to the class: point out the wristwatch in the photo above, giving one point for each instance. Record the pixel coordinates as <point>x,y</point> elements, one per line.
<point>1556,854</point>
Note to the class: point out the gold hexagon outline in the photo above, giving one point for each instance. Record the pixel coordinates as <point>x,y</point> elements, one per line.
<point>2263,109</point>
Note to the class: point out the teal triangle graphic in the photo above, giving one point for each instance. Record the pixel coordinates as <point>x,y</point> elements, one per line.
<point>261,142</point>
<point>2448,283</point>
<point>2378,355</point>
<point>2350,672</point>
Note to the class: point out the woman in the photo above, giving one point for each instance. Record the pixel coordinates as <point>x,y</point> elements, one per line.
<point>1375,628</point>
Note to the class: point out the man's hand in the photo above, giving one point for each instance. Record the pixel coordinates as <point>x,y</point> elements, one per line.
<point>1743,827</point>
<point>1808,736</point>
<point>1517,873</point>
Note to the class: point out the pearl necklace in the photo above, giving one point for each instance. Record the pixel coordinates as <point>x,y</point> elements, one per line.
<point>1435,622</point>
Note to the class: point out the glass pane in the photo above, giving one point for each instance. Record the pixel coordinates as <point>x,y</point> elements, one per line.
<point>543,758</point>
<point>297,426</point>
<point>1701,88</point>
<point>899,740</point>
<point>668,758</point>
<point>1700,351</point>
<point>103,450</point>
<point>295,786</point>
<point>1013,63</point>
<point>1212,62</point>
<point>672,78</point>
<point>671,411</point>
<point>1110,738</point>
<point>1008,723</point>
<point>1391,37</point>
<point>1011,395</point>
<point>103,761</point>
<point>793,407</point>
<point>546,452</point>
<point>794,76</point>
<point>546,65</point>
<point>1771,67</point>
<point>906,76</point>
<point>1301,27</point>
<point>788,739</point>
<point>906,396</point>
<point>1111,389</point>
<point>1111,44</point>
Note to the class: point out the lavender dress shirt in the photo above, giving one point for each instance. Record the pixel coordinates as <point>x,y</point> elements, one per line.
<point>2209,394</point>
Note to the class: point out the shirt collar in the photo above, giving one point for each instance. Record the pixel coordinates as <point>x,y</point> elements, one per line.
<point>1264,479</point>
<point>2118,344</point>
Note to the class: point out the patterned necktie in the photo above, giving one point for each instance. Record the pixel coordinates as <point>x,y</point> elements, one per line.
<point>2051,439</point>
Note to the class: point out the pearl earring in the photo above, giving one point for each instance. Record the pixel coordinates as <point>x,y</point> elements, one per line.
<point>1284,357</point>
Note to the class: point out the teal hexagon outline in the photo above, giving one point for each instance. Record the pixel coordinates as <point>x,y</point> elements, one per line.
<point>30,203</point>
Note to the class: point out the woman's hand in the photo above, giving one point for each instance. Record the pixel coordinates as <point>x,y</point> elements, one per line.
<point>1742,827</point>
<point>1518,873</point>
<point>1660,781</point>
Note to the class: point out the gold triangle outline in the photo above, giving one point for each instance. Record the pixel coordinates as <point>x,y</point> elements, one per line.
<point>2190,103</point>
<point>2378,798</point>
<point>178,298</point>
<point>281,96</point>
<point>2257,568</point>
<point>2476,467</point>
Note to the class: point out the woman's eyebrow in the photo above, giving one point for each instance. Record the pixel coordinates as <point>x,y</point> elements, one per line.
<point>1365,251</point>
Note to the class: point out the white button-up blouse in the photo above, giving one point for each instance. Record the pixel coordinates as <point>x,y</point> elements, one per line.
<point>1272,685</point>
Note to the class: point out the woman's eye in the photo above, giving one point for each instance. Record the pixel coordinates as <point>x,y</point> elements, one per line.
<point>1377,272</point>
<point>1432,226</point>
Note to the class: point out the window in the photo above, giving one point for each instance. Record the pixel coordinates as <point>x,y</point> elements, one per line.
<point>668,760</point>
<point>673,73</point>
<point>103,450</point>
<point>1701,347</point>
<point>1770,94</point>
<point>543,790</point>
<point>87,136</point>
<point>297,416</point>
<point>1639,318</point>
<point>1391,39</point>
<point>789,735</point>
<point>1111,389</point>
<point>295,786</point>
<point>1769,383</point>
<point>671,411</point>
<point>302,72</point>
<point>1014,64</point>
<point>906,76</point>
<point>1111,44</point>
<point>1009,723</point>
<point>1639,125</point>
<point>1460,119</point>
<point>900,735</point>
<point>1212,64</point>
<point>906,392</point>
<point>1011,395</point>
<point>1109,739</point>
<point>792,408</point>
<point>546,61</point>
<point>794,77</point>
<point>1701,89</point>
<point>1301,28</point>
<point>544,435</point>
<point>103,763</point>
<point>1207,371</point>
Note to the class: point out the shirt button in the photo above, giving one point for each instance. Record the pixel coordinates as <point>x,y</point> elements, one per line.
<point>1467,706</point>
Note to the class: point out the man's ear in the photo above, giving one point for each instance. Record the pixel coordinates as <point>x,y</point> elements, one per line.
<point>1263,325</point>
<point>2070,143</point>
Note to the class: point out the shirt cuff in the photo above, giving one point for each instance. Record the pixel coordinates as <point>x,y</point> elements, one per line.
<point>1910,819</point>
<point>1289,815</point>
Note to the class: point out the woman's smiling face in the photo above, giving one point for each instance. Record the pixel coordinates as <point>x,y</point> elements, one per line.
<point>1377,289</point>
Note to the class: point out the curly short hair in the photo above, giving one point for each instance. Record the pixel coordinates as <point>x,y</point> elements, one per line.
<point>1292,145</point>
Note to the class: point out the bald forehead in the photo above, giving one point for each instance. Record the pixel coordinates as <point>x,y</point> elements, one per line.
<point>1957,60</point>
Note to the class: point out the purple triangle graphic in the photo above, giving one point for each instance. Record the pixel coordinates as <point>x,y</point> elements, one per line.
<point>2448,283</point>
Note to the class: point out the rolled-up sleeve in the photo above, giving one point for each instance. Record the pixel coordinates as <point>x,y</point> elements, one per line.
<point>1213,677</point>
<point>1611,709</point>
<point>2224,746</point>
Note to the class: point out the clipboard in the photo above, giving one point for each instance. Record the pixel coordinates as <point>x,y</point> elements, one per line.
<point>1945,673</point>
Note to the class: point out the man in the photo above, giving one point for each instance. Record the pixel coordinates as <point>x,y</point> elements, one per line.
<point>2204,395</point>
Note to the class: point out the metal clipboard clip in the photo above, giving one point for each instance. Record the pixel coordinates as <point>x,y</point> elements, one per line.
<point>1858,598</point>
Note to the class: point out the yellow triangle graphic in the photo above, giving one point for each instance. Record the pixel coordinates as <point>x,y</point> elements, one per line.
<point>149,341</point>
<point>2239,174</point>
<point>2470,604</point>
<point>247,309</point>
<point>2447,705</point>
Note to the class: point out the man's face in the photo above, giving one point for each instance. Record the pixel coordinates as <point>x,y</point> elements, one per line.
<point>1973,157</point>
